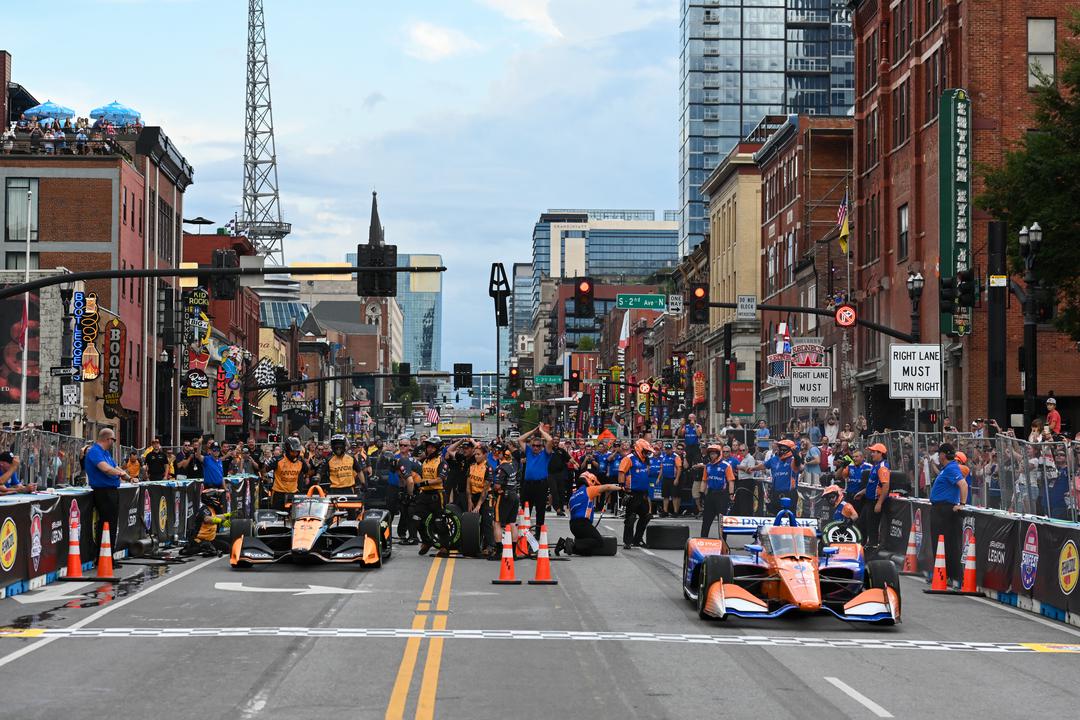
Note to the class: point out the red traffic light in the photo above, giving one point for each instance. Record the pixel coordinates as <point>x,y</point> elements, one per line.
<point>699,292</point>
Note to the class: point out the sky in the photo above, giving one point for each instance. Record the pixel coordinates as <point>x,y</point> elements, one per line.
<point>469,117</point>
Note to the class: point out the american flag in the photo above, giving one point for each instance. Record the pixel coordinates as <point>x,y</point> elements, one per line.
<point>433,414</point>
<point>841,214</point>
<point>779,364</point>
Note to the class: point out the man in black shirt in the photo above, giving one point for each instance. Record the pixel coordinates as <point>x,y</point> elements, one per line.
<point>457,459</point>
<point>156,462</point>
<point>558,468</point>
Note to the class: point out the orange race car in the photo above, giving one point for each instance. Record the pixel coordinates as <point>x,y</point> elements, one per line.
<point>783,572</point>
<point>316,528</point>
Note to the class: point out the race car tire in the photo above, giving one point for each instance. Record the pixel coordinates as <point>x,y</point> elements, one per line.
<point>471,534</point>
<point>880,573</point>
<point>444,528</point>
<point>372,528</point>
<point>841,531</point>
<point>715,568</point>
<point>666,537</point>
<point>239,529</point>
<point>611,546</point>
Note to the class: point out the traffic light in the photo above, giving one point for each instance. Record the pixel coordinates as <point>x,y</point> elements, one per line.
<point>948,295</point>
<point>514,377</point>
<point>462,375</point>
<point>644,388</point>
<point>584,307</point>
<point>699,304</point>
<point>223,287</point>
<point>928,417</point>
<point>575,380</point>
<point>965,288</point>
<point>1045,305</point>
<point>404,374</point>
<point>376,283</point>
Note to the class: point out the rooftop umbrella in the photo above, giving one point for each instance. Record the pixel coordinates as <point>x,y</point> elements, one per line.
<point>49,109</point>
<point>116,113</point>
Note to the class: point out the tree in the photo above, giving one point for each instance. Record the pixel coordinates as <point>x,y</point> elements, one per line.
<point>1037,183</point>
<point>585,344</point>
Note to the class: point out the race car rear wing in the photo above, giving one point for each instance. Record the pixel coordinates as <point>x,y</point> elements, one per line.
<point>746,525</point>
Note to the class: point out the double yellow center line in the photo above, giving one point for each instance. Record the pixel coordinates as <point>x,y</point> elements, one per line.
<point>425,706</point>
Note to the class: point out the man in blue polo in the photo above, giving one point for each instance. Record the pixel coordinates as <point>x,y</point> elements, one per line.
<point>948,495</point>
<point>536,447</point>
<point>784,468</point>
<point>104,478</point>
<point>692,438</point>
<point>213,473</point>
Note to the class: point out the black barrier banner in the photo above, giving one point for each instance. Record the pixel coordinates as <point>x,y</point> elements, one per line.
<point>924,536</point>
<point>190,504</point>
<point>82,507</point>
<point>1055,566</point>
<point>1028,557</point>
<point>161,512</point>
<point>14,529</point>
<point>995,551</point>
<point>47,539</point>
<point>134,516</point>
<point>895,526</point>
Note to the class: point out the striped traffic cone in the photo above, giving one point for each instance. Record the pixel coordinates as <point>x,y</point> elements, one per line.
<point>74,559</point>
<point>523,533</point>
<point>105,559</point>
<point>970,585</point>
<point>506,567</point>
<point>543,562</point>
<point>911,557</point>
<point>940,584</point>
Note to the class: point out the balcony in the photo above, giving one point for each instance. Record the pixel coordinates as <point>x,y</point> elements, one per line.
<point>24,143</point>
<point>802,18</point>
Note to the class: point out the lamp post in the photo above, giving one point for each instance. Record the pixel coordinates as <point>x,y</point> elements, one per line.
<point>915,284</point>
<point>1030,240</point>
<point>688,383</point>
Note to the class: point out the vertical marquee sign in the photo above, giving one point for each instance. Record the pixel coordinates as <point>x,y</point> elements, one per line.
<point>954,185</point>
<point>113,364</point>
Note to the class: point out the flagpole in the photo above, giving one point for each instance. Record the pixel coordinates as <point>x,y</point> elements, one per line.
<point>26,313</point>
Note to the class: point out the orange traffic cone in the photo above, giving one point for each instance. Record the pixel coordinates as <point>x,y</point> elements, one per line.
<point>523,532</point>
<point>970,585</point>
<point>940,582</point>
<point>74,560</point>
<point>911,558</point>
<point>506,567</point>
<point>543,562</point>
<point>105,565</point>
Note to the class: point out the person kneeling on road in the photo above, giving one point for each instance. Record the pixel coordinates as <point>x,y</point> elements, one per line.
<point>203,537</point>
<point>587,539</point>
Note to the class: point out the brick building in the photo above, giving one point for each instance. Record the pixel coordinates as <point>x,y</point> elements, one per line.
<point>907,53</point>
<point>805,166</point>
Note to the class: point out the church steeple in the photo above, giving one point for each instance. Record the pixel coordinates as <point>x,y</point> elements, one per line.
<point>375,232</point>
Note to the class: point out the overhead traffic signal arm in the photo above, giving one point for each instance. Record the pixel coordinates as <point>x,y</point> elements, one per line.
<point>868,324</point>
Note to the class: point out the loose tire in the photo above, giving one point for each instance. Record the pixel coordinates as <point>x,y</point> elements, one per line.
<point>373,529</point>
<point>666,537</point>
<point>715,568</point>
<point>611,546</point>
<point>471,534</point>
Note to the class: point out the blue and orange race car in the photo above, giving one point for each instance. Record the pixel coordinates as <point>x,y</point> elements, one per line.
<point>784,572</point>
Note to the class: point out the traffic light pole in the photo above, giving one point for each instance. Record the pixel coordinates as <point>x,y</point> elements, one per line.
<point>870,325</point>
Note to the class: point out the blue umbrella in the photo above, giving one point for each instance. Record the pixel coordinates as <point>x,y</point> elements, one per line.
<point>116,113</point>
<point>49,109</point>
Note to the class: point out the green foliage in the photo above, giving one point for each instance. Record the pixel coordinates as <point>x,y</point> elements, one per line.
<point>585,344</point>
<point>1038,183</point>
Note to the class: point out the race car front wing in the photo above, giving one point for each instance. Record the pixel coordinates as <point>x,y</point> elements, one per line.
<point>248,551</point>
<point>878,605</point>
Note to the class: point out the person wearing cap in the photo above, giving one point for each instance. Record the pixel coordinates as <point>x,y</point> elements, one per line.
<point>655,470</point>
<point>213,472</point>
<point>504,497</point>
<point>1053,417</point>
<point>9,475</point>
<point>406,471</point>
<point>586,538</point>
<point>717,486</point>
<point>103,477</point>
<point>132,466</point>
<point>948,495</point>
<point>855,475</point>
<point>670,470</point>
<point>874,494</point>
<point>429,496</point>
<point>784,468</point>
<point>634,477</point>
<point>536,447</point>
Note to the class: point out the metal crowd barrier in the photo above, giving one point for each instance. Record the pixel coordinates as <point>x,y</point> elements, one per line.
<point>50,459</point>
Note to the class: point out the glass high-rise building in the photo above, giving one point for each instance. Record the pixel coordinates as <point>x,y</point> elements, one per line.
<point>420,298</point>
<point>742,60</point>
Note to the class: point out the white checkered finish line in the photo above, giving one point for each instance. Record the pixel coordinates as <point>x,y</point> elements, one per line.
<point>549,635</point>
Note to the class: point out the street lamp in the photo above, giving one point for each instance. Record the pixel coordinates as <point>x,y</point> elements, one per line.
<point>1030,240</point>
<point>688,383</point>
<point>915,284</point>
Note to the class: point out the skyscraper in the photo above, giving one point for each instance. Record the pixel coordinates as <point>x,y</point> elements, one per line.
<point>742,60</point>
<point>420,299</point>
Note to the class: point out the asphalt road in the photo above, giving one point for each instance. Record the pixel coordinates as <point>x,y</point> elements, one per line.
<point>614,639</point>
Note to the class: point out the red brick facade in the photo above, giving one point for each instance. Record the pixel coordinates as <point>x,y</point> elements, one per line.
<point>906,54</point>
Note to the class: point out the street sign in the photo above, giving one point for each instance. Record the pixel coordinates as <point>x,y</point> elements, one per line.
<point>68,412</point>
<point>530,383</point>
<point>675,304</point>
<point>641,302</point>
<point>811,387</point>
<point>61,371</point>
<point>746,308</point>
<point>548,379</point>
<point>69,394</point>
<point>914,372</point>
<point>999,281</point>
<point>845,316</point>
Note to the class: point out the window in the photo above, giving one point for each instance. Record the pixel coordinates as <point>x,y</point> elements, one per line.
<point>810,300</point>
<point>901,98</point>
<point>902,232</point>
<point>123,206</point>
<point>933,83</point>
<point>870,146</point>
<point>902,30</point>
<point>870,64</point>
<point>17,261</point>
<point>870,216</point>
<point>123,281</point>
<point>15,219</point>
<point>933,13</point>
<point>1041,44</point>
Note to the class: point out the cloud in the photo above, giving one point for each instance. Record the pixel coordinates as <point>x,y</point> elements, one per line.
<point>373,99</point>
<point>433,42</point>
<point>533,13</point>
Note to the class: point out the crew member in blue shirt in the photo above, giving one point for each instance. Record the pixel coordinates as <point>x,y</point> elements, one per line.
<point>103,477</point>
<point>784,467</point>
<point>536,447</point>
<point>213,473</point>
<point>634,477</point>
<point>875,495</point>
<point>692,438</point>
<point>718,486</point>
<point>9,475</point>
<point>948,495</point>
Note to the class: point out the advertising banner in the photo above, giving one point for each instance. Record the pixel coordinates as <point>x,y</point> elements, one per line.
<point>227,398</point>
<point>112,362</point>
<point>895,527</point>
<point>88,321</point>
<point>995,551</point>
<point>699,387</point>
<point>47,550</point>
<point>11,337</point>
<point>14,532</point>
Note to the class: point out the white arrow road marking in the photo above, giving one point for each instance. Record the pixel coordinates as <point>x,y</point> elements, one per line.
<point>52,593</point>
<point>309,590</point>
